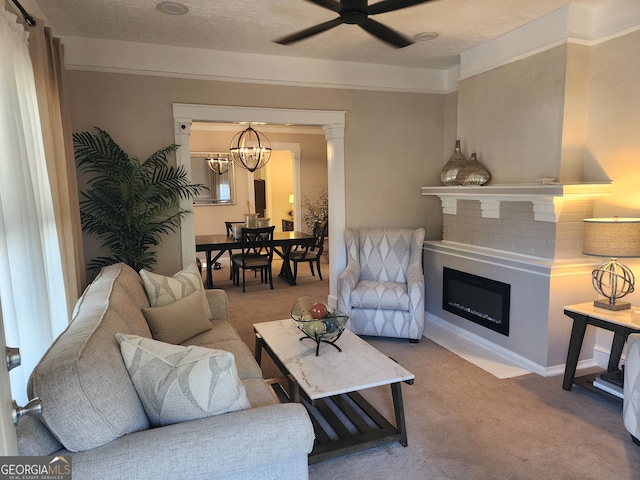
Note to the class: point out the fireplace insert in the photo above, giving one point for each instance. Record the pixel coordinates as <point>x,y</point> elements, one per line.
<point>481,300</point>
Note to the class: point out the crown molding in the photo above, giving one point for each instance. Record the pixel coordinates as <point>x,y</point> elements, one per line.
<point>570,24</point>
<point>115,56</point>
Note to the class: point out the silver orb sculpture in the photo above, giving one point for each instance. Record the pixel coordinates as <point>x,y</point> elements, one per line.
<point>613,280</point>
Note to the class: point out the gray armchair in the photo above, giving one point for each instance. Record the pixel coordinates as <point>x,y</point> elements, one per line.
<point>631,408</point>
<point>382,287</point>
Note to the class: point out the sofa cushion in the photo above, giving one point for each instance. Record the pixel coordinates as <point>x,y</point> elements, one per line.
<point>180,320</point>
<point>177,383</point>
<point>162,290</point>
<point>34,439</point>
<point>88,397</point>
<point>259,392</point>
<point>246,364</point>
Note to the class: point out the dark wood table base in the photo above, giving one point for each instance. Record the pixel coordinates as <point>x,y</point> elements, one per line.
<point>347,423</point>
<point>580,322</point>
<point>344,423</point>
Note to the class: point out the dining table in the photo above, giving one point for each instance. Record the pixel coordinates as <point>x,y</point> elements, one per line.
<point>283,243</point>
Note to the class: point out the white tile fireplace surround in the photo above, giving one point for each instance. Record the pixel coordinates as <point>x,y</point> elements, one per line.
<point>530,237</point>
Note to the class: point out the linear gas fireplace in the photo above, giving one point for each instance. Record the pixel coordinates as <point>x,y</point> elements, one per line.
<point>481,300</point>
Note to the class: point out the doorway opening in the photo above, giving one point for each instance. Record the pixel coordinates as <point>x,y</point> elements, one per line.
<point>333,125</point>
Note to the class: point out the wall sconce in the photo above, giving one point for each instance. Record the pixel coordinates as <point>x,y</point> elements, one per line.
<point>612,237</point>
<point>218,164</point>
<point>250,149</point>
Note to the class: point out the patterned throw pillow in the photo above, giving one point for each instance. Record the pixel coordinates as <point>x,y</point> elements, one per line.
<point>162,290</point>
<point>178,321</point>
<point>177,384</point>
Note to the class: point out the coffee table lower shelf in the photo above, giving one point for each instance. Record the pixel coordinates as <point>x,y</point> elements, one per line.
<point>343,424</point>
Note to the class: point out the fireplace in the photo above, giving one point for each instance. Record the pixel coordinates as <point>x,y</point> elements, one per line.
<point>481,300</point>
<point>527,236</point>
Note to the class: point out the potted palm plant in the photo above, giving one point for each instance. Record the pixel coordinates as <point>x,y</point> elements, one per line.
<point>129,204</point>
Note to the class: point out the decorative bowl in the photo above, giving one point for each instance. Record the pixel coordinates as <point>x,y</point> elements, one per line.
<point>318,321</point>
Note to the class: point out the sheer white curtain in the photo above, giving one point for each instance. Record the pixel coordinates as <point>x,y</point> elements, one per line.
<point>32,291</point>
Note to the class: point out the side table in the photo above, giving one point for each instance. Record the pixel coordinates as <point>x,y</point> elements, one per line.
<point>583,314</point>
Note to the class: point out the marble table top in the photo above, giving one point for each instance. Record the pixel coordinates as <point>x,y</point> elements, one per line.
<point>357,367</point>
<point>627,318</point>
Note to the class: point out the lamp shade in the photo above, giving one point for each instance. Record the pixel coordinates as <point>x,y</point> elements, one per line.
<point>291,198</point>
<point>611,237</point>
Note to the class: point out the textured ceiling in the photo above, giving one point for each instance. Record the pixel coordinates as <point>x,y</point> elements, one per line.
<point>251,26</point>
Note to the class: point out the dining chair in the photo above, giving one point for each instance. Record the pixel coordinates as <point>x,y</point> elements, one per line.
<point>311,254</point>
<point>229,228</point>
<point>256,253</point>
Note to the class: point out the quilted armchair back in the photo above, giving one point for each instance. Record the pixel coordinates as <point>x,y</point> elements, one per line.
<point>384,254</point>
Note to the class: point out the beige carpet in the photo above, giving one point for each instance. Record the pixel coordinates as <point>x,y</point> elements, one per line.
<point>463,423</point>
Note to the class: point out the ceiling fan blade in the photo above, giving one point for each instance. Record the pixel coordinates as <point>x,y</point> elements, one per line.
<point>390,5</point>
<point>330,4</point>
<point>308,32</point>
<point>385,34</point>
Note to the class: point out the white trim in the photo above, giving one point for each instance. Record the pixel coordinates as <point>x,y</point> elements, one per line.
<point>572,24</point>
<point>333,124</point>
<point>117,56</point>
<point>236,127</point>
<point>542,267</point>
<point>547,199</point>
<point>469,341</point>
<point>616,18</point>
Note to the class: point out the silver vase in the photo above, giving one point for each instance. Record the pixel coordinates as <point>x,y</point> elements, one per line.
<point>450,171</point>
<point>473,173</point>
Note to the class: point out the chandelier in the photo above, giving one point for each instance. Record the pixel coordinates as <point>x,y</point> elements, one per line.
<point>250,149</point>
<point>218,164</point>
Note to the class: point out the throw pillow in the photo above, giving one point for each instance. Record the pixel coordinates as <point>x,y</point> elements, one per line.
<point>178,384</point>
<point>178,321</point>
<point>162,290</point>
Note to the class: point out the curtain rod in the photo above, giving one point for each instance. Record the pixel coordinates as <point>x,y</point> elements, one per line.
<point>27,18</point>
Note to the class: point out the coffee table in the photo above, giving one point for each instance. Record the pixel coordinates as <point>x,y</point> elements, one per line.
<point>344,422</point>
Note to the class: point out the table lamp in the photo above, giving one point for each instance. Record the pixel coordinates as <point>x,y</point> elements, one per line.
<point>614,238</point>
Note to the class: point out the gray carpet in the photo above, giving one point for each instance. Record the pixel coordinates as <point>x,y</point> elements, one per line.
<point>463,423</point>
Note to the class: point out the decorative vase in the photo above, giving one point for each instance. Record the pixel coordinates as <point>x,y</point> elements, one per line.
<point>450,171</point>
<point>473,173</point>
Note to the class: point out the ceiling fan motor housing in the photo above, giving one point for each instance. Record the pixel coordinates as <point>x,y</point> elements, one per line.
<point>354,12</point>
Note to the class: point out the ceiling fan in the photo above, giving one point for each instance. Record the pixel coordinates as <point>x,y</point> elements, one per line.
<point>357,12</point>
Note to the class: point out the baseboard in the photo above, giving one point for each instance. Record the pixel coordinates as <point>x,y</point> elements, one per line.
<point>468,340</point>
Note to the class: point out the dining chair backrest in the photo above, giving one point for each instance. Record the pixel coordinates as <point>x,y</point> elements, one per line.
<point>257,241</point>
<point>229,227</point>
<point>320,230</point>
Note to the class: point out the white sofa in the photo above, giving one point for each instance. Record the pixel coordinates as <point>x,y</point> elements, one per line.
<point>631,408</point>
<point>91,409</point>
<point>382,287</point>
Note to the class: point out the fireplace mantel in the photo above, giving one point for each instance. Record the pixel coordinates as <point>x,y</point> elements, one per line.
<point>547,199</point>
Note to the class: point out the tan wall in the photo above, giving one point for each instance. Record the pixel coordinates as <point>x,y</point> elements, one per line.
<point>393,141</point>
<point>279,186</point>
<point>574,155</point>
<point>613,125</point>
<point>613,132</point>
<point>512,117</point>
